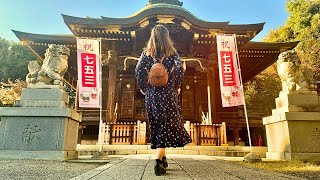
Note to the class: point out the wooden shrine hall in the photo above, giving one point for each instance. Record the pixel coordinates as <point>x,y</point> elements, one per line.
<point>122,42</point>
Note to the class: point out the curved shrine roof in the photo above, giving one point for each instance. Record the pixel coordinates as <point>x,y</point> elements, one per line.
<point>193,37</point>
<point>155,14</point>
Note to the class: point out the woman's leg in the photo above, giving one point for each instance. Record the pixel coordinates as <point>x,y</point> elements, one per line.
<point>159,168</point>
<point>164,160</point>
<point>160,153</point>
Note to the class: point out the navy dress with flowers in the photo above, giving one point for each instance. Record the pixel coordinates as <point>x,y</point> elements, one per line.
<point>163,110</point>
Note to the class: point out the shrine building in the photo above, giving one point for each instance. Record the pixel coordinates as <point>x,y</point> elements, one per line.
<point>123,39</point>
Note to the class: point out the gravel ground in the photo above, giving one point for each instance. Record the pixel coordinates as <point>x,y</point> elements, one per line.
<point>304,174</point>
<point>41,169</point>
<point>293,168</point>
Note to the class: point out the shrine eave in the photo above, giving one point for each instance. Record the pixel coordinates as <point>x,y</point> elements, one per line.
<point>167,11</point>
<point>45,38</point>
<point>255,57</point>
<point>95,23</point>
<point>147,12</point>
<point>245,27</point>
<point>270,45</point>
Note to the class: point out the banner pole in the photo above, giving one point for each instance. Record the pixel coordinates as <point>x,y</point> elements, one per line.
<point>100,96</point>
<point>209,106</point>
<point>241,87</point>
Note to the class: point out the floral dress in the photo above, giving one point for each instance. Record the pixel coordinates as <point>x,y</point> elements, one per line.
<point>163,109</point>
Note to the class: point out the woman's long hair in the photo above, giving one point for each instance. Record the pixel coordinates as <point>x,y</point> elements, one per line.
<point>160,41</point>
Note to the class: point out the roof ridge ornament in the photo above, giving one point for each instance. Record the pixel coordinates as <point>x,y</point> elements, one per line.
<point>173,2</point>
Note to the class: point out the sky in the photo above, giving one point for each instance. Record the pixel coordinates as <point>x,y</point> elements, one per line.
<point>44,16</point>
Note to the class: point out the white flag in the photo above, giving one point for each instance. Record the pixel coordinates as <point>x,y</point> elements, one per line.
<point>88,55</point>
<point>231,93</point>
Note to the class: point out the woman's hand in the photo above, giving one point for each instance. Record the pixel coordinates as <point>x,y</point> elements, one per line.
<point>179,91</point>
<point>143,93</point>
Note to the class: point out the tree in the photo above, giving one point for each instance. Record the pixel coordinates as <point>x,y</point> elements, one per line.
<point>260,93</point>
<point>11,91</point>
<point>14,60</point>
<point>303,24</point>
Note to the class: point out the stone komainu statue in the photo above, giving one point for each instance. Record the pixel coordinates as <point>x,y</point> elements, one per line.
<point>292,77</point>
<point>55,65</point>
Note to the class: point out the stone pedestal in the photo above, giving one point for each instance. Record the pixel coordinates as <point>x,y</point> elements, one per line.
<point>42,127</point>
<point>293,130</point>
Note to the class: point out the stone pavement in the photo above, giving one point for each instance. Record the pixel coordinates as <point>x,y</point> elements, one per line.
<point>28,169</point>
<point>184,167</point>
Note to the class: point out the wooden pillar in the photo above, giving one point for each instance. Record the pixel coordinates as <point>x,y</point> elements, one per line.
<point>76,105</point>
<point>211,82</point>
<point>235,118</point>
<point>79,133</point>
<point>112,63</point>
<point>134,42</point>
<point>236,135</point>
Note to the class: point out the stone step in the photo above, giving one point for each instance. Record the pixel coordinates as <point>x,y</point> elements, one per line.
<point>231,151</point>
<point>186,152</point>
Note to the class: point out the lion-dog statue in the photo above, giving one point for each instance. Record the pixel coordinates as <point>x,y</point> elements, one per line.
<point>291,75</point>
<point>55,65</point>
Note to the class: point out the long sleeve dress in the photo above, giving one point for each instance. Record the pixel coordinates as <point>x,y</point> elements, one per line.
<point>165,123</point>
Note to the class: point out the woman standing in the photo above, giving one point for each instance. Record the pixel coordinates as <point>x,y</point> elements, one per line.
<point>166,126</point>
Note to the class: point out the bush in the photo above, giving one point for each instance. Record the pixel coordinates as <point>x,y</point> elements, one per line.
<point>11,91</point>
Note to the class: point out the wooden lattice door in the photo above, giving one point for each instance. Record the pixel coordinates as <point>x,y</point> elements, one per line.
<point>201,99</point>
<point>127,98</point>
<point>187,99</point>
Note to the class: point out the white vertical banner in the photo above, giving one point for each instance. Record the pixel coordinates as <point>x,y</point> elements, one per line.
<point>231,91</point>
<point>88,55</point>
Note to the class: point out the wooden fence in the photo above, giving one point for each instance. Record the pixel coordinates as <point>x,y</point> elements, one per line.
<point>124,133</point>
<point>206,135</point>
<point>135,133</point>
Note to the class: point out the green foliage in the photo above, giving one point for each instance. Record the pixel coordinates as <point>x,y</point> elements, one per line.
<point>260,93</point>
<point>72,94</point>
<point>11,91</point>
<point>283,34</point>
<point>301,15</point>
<point>303,25</point>
<point>14,60</point>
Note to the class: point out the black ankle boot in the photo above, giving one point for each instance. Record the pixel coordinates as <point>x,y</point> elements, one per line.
<point>165,162</point>
<point>159,169</point>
